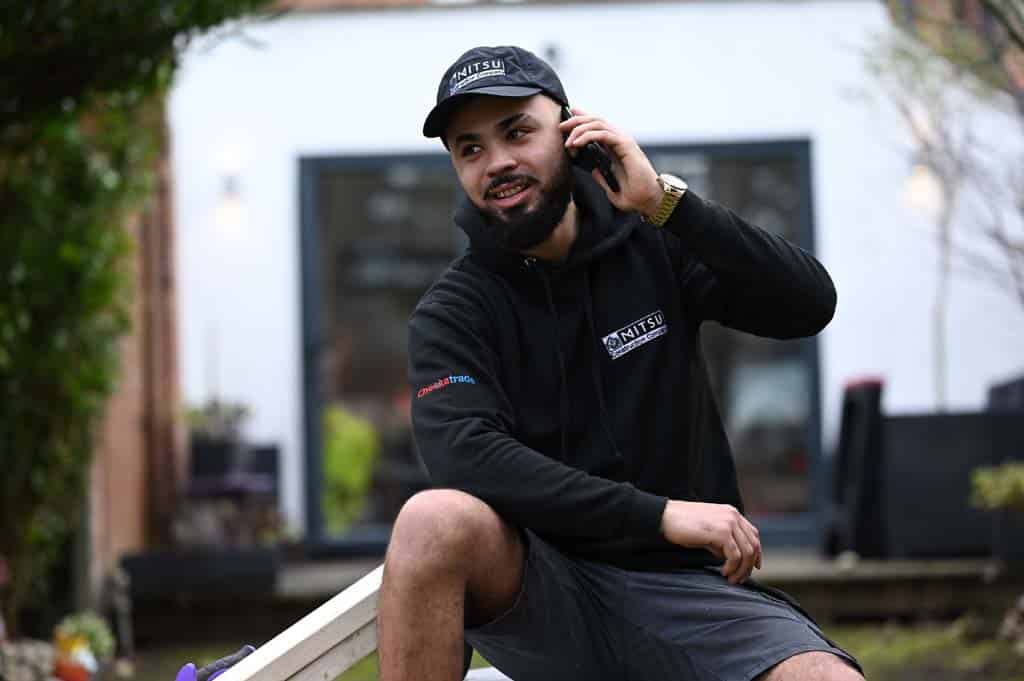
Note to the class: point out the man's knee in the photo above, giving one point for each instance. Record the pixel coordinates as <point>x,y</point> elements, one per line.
<point>444,528</point>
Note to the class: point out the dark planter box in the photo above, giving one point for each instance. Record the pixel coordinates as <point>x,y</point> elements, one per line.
<point>212,572</point>
<point>927,466</point>
<point>1008,536</point>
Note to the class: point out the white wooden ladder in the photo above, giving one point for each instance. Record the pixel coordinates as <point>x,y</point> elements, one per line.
<point>326,642</point>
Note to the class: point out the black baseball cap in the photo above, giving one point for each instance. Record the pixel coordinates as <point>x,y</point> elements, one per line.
<point>504,71</point>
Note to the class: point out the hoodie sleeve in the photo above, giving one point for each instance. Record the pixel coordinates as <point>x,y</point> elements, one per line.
<point>746,277</point>
<point>463,424</point>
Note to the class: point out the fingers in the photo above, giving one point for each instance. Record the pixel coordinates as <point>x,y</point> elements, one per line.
<point>733,557</point>
<point>595,131</point>
<point>755,537</point>
<point>741,545</point>
<point>579,123</point>
<point>749,555</point>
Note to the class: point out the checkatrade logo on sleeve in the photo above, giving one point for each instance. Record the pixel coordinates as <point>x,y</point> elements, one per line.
<point>444,383</point>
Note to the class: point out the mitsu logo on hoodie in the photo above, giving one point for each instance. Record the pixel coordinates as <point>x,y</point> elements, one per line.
<point>635,334</point>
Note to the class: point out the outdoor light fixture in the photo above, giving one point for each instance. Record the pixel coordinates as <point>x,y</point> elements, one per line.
<point>923,191</point>
<point>229,211</point>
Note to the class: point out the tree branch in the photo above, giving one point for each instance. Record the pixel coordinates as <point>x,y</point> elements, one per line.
<point>1013,31</point>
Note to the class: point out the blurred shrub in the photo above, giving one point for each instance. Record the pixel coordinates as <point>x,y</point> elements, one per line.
<point>999,487</point>
<point>93,629</point>
<point>350,450</point>
<point>81,120</point>
<point>217,420</point>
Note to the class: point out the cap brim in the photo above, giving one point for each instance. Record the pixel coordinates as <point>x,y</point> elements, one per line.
<point>437,119</point>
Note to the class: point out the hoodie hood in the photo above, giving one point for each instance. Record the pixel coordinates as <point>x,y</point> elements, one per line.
<point>602,227</point>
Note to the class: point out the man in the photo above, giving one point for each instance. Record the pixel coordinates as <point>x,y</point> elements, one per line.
<point>587,522</point>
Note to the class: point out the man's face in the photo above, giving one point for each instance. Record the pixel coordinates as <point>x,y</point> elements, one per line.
<point>510,159</point>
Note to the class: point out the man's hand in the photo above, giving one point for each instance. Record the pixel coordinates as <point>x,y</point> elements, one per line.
<point>640,190</point>
<point>719,528</point>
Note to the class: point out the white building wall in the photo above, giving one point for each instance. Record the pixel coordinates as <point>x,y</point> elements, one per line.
<point>359,82</point>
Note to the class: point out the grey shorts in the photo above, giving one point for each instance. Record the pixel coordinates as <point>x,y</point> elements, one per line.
<point>577,620</point>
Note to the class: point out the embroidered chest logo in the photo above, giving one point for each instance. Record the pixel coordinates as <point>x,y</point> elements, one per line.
<point>635,334</point>
<point>470,73</point>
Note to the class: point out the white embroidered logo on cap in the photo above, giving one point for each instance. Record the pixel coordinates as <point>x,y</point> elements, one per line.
<point>470,73</point>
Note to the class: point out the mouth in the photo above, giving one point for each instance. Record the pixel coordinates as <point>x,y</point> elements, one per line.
<point>510,194</point>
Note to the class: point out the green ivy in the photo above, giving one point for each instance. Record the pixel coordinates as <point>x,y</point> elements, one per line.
<point>81,124</point>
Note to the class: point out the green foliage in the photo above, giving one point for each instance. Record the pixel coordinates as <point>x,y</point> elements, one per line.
<point>63,306</point>
<point>81,124</point>
<point>999,487</point>
<point>350,450</point>
<point>94,629</point>
<point>218,420</point>
<point>963,650</point>
<point>122,52</point>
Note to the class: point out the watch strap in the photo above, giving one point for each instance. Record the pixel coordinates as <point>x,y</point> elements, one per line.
<point>669,200</point>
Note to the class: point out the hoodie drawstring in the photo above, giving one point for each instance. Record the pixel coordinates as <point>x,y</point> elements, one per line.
<point>563,386</point>
<point>595,367</point>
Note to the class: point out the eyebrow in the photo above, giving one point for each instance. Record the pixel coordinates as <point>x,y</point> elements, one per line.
<point>503,125</point>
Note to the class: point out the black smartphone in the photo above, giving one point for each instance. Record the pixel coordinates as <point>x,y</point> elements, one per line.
<point>593,155</point>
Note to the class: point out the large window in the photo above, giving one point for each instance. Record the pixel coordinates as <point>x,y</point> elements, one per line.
<point>377,231</point>
<point>767,390</point>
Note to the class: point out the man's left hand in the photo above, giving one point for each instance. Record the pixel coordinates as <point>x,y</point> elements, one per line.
<point>640,190</point>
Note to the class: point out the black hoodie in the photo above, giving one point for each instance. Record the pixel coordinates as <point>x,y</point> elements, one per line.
<point>574,398</point>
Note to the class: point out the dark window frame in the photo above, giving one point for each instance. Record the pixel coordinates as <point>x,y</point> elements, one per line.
<point>798,529</point>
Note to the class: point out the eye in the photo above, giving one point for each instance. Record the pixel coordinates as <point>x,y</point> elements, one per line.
<point>469,150</point>
<point>516,133</point>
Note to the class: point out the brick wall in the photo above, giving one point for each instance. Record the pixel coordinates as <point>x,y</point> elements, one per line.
<point>140,454</point>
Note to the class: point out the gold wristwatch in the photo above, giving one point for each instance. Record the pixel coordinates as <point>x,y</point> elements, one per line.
<point>674,189</point>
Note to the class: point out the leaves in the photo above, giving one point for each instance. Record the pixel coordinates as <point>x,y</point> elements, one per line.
<point>350,450</point>
<point>81,122</point>
<point>998,487</point>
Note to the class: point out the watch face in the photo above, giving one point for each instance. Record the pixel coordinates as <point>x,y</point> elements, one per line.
<point>673,182</point>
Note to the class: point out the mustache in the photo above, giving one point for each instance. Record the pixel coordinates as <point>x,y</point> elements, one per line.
<point>508,179</point>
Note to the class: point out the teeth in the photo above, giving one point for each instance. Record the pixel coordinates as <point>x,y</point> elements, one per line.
<point>511,191</point>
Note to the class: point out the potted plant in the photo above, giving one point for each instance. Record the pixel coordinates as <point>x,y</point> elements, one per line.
<point>1000,489</point>
<point>215,436</point>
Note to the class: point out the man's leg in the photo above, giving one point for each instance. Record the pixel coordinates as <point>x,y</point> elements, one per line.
<point>813,666</point>
<point>452,561</point>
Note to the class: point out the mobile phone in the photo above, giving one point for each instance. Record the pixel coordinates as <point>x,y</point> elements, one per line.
<point>593,155</point>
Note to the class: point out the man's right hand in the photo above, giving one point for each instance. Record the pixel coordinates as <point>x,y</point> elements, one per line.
<point>720,529</point>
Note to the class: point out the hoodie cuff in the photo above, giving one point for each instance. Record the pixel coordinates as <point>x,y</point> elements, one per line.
<point>645,513</point>
<point>688,219</point>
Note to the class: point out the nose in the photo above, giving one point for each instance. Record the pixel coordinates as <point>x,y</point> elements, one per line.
<point>500,162</point>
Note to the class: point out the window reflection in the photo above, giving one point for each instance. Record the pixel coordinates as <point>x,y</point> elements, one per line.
<point>385,233</point>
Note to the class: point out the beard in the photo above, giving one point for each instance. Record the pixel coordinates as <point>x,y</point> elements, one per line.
<point>519,228</point>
